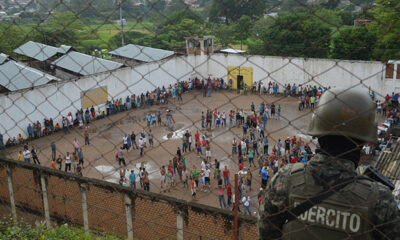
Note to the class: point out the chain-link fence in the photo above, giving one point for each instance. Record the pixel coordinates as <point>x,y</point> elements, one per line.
<point>166,102</point>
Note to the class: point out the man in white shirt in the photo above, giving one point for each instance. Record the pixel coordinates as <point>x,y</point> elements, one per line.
<point>27,155</point>
<point>207,177</point>
<point>246,204</point>
<point>141,145</point>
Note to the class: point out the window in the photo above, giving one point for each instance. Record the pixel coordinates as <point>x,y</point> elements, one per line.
<point>398,71</point>
<point>389,70</point>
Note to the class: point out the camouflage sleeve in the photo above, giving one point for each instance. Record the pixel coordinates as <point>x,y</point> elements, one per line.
<point>386,215</point>
<point>274,201</point>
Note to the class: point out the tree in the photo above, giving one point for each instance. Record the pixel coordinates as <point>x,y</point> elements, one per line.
<point>11,37</point>
<point>353,43</point>
<point>297,35</point>
<point>386,26</point>
<point>224,35</point>
<point>232,10</point>
<point>62,28</point>
<point>242,28</point>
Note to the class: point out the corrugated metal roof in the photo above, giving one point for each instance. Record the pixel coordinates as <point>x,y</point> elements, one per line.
<point>64,49</point>
<point>3,58</point>
<point>389,161</point>
<point>141,53</point>
<point>15,76</point>
<point>85,64</point>
<point>37,51</point>
<point>231,50</point>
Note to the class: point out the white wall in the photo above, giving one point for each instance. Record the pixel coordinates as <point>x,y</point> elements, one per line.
<point>324,72</point>
<point>17,109</point>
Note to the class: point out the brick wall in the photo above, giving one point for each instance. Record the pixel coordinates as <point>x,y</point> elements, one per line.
<point>154,216</point>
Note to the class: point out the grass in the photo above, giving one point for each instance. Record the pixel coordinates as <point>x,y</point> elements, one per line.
<point>10,230</point>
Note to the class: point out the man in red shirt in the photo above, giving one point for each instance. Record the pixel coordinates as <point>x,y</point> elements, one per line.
<point>197,136</point>
<point>198,146</point>
<point>229,193</point>
<point>226,175</point>
<point>294,140</point>
<point>294,160</point>
<point>241,166</point>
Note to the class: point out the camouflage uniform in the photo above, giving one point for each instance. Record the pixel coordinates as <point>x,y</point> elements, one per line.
<point>364,209</point>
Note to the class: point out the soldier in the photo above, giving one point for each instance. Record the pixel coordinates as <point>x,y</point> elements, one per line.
<point>349,206</point>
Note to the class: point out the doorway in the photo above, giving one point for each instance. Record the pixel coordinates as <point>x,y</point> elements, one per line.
<point>239,82</point>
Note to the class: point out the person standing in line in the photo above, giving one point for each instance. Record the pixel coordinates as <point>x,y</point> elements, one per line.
<point>59,162</point>
<point>146,181</point>
<point>141,146</point>
<point>193,187</point>
<point>151,143</point>
<point>76,145</point>
<point>278,112</point>
<point>226,176</point>
<point>67,163</point>
<point>221,196</point>
<point>121,158</point>
<point>35,156</point>
<point>133,140</point>
<point>234,147</point>
<point>132,178</point>
<point>75,162</point>
<point>80,157</point>
<point>229,193</point>
<point>86,135</point>
<point>53,164</point>
<point>163,180</point>
<point>53,151</point>
<point>246,204</point>
<point>20,156</point>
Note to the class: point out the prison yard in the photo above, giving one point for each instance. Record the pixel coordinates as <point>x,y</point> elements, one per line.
<point>106,138</point>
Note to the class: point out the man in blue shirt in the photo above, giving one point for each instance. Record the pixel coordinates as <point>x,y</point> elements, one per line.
<point>264,176</point>
<point>245,129</point>
<point>53,151</point>
<point>132,178</point>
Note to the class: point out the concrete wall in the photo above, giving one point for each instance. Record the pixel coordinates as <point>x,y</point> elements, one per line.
<point>324,72</point>
<point>17,109</point>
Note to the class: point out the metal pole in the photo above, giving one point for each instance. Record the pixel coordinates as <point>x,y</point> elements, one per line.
<point>45,201</point>
<point>236,206</point>
<point>128,209</point>
<point>122,23</point>
<point>11,192</point>
<point>84,208</point>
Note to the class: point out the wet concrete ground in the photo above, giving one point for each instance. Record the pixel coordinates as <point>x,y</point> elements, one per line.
<point>106,137</point>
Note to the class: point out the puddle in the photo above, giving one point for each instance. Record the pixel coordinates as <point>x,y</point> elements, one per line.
<point>112,174</point>
<point>113,135</point>
<point>176,132</point>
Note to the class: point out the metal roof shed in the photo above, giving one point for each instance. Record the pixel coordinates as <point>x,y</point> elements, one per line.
<point>141,53</point>
<point>84,64</point>
<point>16,76</point>
<point>3,58</point>
<point>37,51</point>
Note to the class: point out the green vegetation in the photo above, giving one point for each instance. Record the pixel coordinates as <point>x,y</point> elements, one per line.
<point>322,28</point>
<point>12,231</point>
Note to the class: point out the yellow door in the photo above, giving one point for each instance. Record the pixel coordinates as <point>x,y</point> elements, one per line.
<point>240,76</point>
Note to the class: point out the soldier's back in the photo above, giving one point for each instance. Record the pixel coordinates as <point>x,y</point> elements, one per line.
<point>363,209</point>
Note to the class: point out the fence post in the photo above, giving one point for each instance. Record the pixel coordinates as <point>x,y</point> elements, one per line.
<point>179,225</point>
<point>84,207</point>
<point>11,192</point>
<point>129,224</point>
<point>45,201</point>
